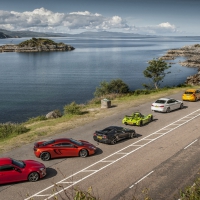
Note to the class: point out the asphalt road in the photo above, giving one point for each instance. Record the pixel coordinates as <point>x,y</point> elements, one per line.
<point>164,158</point>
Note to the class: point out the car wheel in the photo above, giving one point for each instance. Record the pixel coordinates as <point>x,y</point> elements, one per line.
<point>45,156</point>
<point>125,123</point>
<point>168,110</point>
<point>113,141</point>
<point>33,176</point>
<point>141,123</point>
<point>196,99</point>
<point>83,153</point>
<point>181,106</point>
<point>151,119</point>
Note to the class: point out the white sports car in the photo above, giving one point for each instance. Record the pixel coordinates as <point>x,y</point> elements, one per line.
<point>166,105</point>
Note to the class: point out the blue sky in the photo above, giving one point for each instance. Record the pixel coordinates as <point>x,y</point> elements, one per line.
<point>157,17</point>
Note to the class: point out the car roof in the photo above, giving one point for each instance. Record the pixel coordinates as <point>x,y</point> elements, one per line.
<point>191,90</point>
<point>164,99</point>
<point>62,140</point>
<point>113,127</point>
<point>5,161</point>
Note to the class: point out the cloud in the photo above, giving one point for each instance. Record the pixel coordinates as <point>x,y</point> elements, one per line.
<point>161,29</point>
<point>44,20</point>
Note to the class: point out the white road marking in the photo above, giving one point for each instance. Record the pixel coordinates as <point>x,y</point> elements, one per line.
<point>190,144</point>
<point>182,122</point>
<point>141,179</point>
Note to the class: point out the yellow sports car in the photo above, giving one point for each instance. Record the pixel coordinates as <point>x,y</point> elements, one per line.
<point>191,95</point>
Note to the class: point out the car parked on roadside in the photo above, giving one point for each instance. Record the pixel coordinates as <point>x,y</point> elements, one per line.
<point>63,147</point>
<point>191,95</point>
<point>166,105</point>
<point>112,134</point>
<point>12,170</point>
<point>137,119</point>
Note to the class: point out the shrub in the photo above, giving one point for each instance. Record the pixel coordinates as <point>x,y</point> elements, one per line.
<point>36,119</point>
<point>138,92</point>
<point>116,86</point>
<point>73,109</point>
<point>8,129</point>
<point>191,193</point>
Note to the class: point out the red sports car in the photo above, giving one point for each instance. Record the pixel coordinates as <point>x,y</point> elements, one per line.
<point>12,170</point>
<point>63,147</point>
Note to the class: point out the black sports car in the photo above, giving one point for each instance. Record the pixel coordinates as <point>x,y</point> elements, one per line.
<point>112,134</point>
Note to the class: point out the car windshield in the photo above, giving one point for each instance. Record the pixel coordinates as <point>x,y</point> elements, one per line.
<point>18,163</point>
<point>136,115</point>
<point>76,142</point>
<point>48,142</point>
<point>160,101</point>
<point>188,92</point>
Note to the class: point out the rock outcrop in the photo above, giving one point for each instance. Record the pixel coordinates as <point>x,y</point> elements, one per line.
<point>192,56</point>
<point>53,114</point>
<point>191,53</point>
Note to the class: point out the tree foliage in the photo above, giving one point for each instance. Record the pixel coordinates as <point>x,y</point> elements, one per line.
<point>156,71</point>
<point>36,42</point>
<point>116,86</point>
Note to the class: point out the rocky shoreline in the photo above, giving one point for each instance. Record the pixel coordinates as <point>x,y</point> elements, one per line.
<point>16,48</point>
<point>192,55</point>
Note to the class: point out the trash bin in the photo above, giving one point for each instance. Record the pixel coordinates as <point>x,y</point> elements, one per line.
<point>105,103</point>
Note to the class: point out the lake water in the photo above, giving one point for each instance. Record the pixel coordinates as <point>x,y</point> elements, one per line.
<point>33,84</point>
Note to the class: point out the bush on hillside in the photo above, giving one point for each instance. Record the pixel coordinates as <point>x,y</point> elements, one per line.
<point>9,129</point>
<point>36,119</point>
<point>116,86</point>
<point>73,109</point>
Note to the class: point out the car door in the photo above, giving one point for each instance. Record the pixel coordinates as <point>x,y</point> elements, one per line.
<point>68,149</point>
<point>172,104</point>
<point>121,133</point>
<point>9,173</point>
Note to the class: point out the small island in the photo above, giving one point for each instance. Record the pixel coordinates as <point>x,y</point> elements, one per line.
<point>36,45</point>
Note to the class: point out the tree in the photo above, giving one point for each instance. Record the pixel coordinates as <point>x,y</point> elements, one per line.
<point>156,71</point>
<point>116,86</point>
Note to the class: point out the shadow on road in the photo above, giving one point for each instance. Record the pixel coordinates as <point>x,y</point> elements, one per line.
<point>50,173</point>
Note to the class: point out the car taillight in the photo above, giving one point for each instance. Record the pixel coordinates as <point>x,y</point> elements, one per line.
<point>162,106</point>
<point>35,149</point>
<point>95,134</point>
<point>104,136</point>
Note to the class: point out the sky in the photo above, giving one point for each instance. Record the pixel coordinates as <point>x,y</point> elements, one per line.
<point>149,17</point>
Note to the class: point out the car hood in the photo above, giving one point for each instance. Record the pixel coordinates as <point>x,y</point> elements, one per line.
<point>85,143</point>
<point>33,163</point>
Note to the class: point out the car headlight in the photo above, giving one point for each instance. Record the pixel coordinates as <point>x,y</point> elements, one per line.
<point>41,169</point>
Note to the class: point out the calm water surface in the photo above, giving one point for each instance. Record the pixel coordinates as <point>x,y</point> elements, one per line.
<point>33,84</point>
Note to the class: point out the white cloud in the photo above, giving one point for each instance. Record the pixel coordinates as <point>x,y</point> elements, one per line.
<point>45,20</point>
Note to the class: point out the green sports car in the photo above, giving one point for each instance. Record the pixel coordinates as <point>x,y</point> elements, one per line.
<point>137,119</point>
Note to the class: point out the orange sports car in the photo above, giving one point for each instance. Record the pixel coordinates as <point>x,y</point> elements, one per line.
<point>63,147</point>
<point>191,95</point>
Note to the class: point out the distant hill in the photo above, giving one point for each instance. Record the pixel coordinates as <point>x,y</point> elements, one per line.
<point>107,34</point>
<point>20,34</point>
<point>3,35</point>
